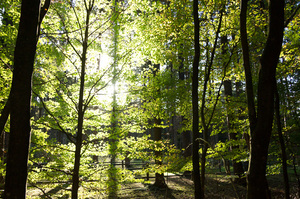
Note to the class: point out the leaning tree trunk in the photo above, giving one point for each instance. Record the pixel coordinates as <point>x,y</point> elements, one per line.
<point>262,128</point>
<point>20,96</point>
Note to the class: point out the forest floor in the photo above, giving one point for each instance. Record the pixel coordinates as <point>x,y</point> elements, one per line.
<point>217,187</point>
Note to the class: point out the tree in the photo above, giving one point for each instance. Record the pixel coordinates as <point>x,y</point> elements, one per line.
<point>78,127</point>
<point>71,46</point>
<point>157,137</point>
<point>261,122</point>
<point>114,132</point>
<point>282,144</point>
<point>7,40</point>
<point>232,134</point>
<point>204,121</point>
<point>20,96</point>
<point>196,170</point>
<point>81,106</point>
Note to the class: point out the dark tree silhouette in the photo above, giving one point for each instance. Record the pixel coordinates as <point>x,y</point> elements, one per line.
<point>20,98</point>
<point>261,122</point>
<point>195,101</point>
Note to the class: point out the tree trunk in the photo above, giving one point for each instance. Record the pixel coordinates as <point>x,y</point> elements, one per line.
<point>206,123</point>
<point>3,137</point>
<point>238,87</point>
<point>247,67</point>
<point>237,166</point>
<point>195,84</point>
<point>186,136</point>
<point>81,109</point>
<point>282,145</point>
<point>112,181</point>
<point>186,142</point>
<point>4,115</point>
<point>19,138</point>
<point>2,156</point>
<point>260,137</point>
<point>159,177</point>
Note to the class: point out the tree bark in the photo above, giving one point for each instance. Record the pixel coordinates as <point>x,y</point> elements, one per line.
<point>112,181</point>
<point>159,177</point>
<point>247,67</point>
<point>204,122</point>
<point>195,84</point>
<point>81,109</point>
<point>260,137</point>
<point>19,138</point>
<point>282,145</point>
<point>6,110</point>
<point>186,134</point>
<point>4,115</point>
<point>186,142</point>
<point>237,166</point>
<point>238,88</point>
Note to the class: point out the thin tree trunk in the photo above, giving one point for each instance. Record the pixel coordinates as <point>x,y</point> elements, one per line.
<point>113,145</point>
<point>159,177</point>
<point>282,145</point>
<point>247,67</point>
<point>20,96</point>
<point>239,91</point>
<point>81,109</point>
<point>4,115</point>
<point>3,119</point>
<point>237,166</point>
<point>195,84</point>
<point>186,141</point>
<point>205,124</point>
<point>112,181</point>
<point>186,134</point>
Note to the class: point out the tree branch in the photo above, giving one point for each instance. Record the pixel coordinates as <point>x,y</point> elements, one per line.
<point>286,23</point>
<point>70,137</point>
<point>43,12</point>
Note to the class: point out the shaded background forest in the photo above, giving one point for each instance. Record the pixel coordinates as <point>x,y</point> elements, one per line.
<point>113,94</point>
